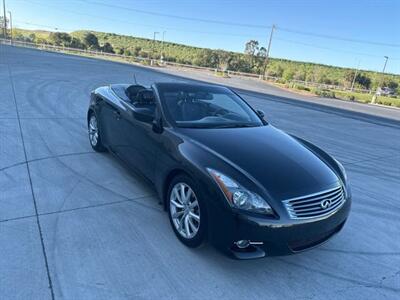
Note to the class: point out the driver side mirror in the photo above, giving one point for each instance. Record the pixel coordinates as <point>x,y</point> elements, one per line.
<point>143,115</point>
<point>260,113</point>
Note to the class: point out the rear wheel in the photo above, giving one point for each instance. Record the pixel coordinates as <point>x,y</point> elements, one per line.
<point>187,211</point>
<point>94,134</point>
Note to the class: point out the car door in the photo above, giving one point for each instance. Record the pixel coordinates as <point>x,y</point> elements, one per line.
<point>139,144</point>
<point>110,113</point>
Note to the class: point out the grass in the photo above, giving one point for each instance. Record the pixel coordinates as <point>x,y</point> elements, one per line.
<point>222,74</point>
<point>344,95</point>
<point>367,98</point>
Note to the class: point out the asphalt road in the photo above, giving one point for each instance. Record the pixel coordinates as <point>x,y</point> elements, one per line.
<point>77,225</point>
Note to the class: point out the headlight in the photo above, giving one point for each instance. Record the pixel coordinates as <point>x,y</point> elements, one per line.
<point>343,171</point>
<point>238,196</point>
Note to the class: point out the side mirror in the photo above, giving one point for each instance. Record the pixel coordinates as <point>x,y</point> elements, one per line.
<point>143,115</point>
<point>260,113</point>
<point>157,125</point>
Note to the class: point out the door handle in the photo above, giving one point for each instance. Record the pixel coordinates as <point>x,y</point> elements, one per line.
<point>117,115</point>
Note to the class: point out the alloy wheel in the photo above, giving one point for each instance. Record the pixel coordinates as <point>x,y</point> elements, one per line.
<point>93,131</point>
<point>184,210</point>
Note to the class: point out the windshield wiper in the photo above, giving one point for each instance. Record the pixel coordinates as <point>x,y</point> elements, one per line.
<point>234,125</point>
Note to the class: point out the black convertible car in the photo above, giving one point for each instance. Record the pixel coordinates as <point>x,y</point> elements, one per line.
<point>223,173</point>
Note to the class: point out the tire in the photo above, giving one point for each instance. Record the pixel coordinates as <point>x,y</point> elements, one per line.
<point>181,212</point>
<point>94,134</point>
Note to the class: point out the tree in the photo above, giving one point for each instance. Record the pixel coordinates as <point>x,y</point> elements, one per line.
<point>348,77</point>
<point>32,38</point>
<point>137,51</point>
<point>224,58</point>
<point>288,74</point>
<point>76,43</point>
<point>60,39</point>
<point>206,58</point>
<point>260,59</point>
<point>90,41</point>
<point>250,49</point>
<point>109,49</point>
<point>363,80</point>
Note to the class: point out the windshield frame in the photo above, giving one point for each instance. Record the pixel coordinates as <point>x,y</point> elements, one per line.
<point>161,87</point>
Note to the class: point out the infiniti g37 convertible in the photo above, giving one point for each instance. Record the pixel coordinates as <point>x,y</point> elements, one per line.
<point>223,173</point>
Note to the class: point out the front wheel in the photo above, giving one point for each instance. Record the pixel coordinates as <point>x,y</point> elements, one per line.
<point>94,134</point>
<point>187,211</point>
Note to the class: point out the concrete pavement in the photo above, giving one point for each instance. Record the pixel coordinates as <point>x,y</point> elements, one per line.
<point>75,224</point>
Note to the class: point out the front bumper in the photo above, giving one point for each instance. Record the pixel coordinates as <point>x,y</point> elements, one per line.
<point>279,237</point>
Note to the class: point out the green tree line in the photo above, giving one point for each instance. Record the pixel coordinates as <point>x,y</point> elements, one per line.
<point>252,60</point>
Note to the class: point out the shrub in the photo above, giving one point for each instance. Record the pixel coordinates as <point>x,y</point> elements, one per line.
<point>281,80</point>
<point>350,97</point>
<point>325,93</point>
<point>302,87</point>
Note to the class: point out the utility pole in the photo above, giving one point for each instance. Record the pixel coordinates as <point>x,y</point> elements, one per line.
<point>355,76</point>
<point>5,19</point>
<point>154,41</point>
<point>268,49</point>
<point>162,47</point>
<point>11,28</point>
<point>381,81</point>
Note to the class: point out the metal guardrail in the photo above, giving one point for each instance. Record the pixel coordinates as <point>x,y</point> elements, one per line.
<point>150,61</point>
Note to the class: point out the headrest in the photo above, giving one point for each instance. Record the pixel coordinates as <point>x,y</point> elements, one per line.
<point>132,91</point>
<point>145,97</point>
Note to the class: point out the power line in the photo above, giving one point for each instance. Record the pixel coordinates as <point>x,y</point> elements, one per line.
<point>41,25</point>
<point>332,37</point>
<point>242,24</point>
<point>176,16</point>
<point>139,24</point>
<point>209,21</point>
<point>330,49</point>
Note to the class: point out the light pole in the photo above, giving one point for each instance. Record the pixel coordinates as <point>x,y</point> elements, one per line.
<point>5,19</point>
<point>154,41</point>
<point>11,27</point>
<point>162,47</point>
<point>381,81</point>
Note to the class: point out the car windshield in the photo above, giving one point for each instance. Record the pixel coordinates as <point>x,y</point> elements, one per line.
<point>205,107</point>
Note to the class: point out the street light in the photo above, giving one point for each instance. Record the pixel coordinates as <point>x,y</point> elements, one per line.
<point>162,47</point>
<point>11,28</point>
<point>381,81</point>
<point>5,19</point>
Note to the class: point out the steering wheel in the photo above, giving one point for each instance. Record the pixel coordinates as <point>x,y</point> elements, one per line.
<point>221,112</point>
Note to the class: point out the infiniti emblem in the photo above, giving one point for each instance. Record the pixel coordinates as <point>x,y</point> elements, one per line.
<point>325,204</point>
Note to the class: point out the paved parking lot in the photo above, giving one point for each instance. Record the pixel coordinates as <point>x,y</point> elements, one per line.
<point>77,225</point>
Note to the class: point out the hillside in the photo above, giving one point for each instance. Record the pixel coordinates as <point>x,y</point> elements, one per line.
<point>252,61</point>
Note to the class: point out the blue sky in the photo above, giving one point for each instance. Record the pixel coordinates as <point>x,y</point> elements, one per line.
<point>375,23</point>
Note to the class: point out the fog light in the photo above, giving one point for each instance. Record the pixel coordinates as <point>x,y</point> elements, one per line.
<point>242,244</point>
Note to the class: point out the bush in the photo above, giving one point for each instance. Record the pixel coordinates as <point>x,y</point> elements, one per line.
<point>281,80</point>
<point>325,93</point>
<point>350,97</point>
<point>302,87</point>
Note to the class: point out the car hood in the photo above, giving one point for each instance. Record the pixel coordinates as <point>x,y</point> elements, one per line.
<point>277,161</point>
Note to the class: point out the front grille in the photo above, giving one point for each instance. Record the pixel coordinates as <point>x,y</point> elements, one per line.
<point>315,205</point>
